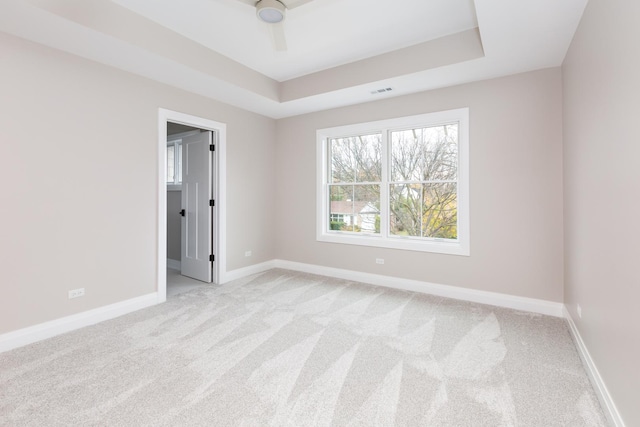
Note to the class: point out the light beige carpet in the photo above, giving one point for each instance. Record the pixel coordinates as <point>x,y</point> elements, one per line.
<point>289,349</point>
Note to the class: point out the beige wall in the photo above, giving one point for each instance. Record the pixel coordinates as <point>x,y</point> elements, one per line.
<point>515,184</point>
<point>80,194</point>
<point>601,76</point>
<point>79,208</point>
<point>174,224</point>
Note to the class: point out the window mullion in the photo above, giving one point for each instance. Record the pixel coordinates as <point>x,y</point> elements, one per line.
<point>422,186</point>
<point>327,186</point>
<point>384,186</point>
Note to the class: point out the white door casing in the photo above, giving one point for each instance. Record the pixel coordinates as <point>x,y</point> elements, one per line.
<point>197,191</point>
<point>219,273</point>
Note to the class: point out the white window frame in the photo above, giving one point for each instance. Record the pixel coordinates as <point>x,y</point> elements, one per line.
<point>176,141</point>
<point>459,246</point>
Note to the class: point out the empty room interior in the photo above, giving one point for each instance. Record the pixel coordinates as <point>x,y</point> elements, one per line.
<point>320,212</point>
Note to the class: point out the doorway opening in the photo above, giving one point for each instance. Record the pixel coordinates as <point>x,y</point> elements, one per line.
<point>191,239</point>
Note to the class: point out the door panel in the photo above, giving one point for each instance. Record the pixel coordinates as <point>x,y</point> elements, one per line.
<point>196,193</point>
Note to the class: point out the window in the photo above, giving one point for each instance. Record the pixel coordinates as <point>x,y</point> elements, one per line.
<point>400,183</point>
<point>174,164</point>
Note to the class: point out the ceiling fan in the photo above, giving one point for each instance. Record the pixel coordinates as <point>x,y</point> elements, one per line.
<point>273,13</point>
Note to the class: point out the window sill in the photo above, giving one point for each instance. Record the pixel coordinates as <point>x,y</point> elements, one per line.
<point>440,247</point>
<point>174,187</point>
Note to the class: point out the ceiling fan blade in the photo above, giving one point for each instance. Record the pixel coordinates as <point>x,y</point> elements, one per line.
<point>279,40</point>
<point>292,4</point>
<point>249,2</point>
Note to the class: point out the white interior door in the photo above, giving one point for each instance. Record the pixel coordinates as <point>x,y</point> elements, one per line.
<point>196,242</point>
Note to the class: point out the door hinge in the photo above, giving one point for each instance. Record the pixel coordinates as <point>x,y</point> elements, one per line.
<point>212,147</point>
<point>212,202</point>
<point>212,258</point>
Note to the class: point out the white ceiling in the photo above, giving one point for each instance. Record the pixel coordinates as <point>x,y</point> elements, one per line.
<point>320,34</point>
<point>218,48</point>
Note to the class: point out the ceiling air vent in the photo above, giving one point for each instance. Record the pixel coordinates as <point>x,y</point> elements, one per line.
<point>383,90</point>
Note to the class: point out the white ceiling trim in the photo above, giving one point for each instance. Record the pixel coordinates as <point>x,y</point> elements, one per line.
<point>516,36</point>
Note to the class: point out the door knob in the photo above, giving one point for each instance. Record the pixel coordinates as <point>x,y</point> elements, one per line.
<point>182,212</point>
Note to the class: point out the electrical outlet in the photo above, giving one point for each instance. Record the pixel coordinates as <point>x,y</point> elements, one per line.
<point>579,310</point>
<point>247,253</point>
<point>75,293</point>
<point>379,260</point>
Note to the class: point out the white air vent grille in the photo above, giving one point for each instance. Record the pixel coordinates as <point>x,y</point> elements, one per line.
<point>383,90</point>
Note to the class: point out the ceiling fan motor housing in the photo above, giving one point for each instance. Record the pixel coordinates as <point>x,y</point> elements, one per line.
<point>270,11</point>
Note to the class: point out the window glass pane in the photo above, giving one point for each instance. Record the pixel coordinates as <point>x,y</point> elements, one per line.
<point>406,155</point>
<point>171,161</point>
<point>341,207</point>
<point>355,208</point>
<point>356,158</point>
<point>440,151</point>
<point>366,206</point>
<point>440,211</point>
<point>405,209</point>
<point>342,161</point>
<point>367,151</point>
<point>179,163</point>
<point>427,154</point>
<point>424,210</point>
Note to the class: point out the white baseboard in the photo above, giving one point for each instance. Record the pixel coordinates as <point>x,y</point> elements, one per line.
<point>606,401</point>
<point>549,308</point>
<point>174,264</point>
<point>52,328</point>
<point>248,271</point>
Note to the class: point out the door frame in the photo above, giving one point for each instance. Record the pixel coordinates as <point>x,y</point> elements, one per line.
<point>219,174</point>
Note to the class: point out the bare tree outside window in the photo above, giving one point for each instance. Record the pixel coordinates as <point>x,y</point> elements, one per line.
<point>356,175</point>
<point>400,183</point>
<point>423,166</point>
<point>423,185</point>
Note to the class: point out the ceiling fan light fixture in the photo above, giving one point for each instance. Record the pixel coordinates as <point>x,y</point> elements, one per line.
<point>270,11</point>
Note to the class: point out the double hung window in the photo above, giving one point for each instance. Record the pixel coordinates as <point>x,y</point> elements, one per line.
<point>400,183</point>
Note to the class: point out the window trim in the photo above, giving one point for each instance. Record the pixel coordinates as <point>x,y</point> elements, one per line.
<point>176,140</point>
<point>461,246</point>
